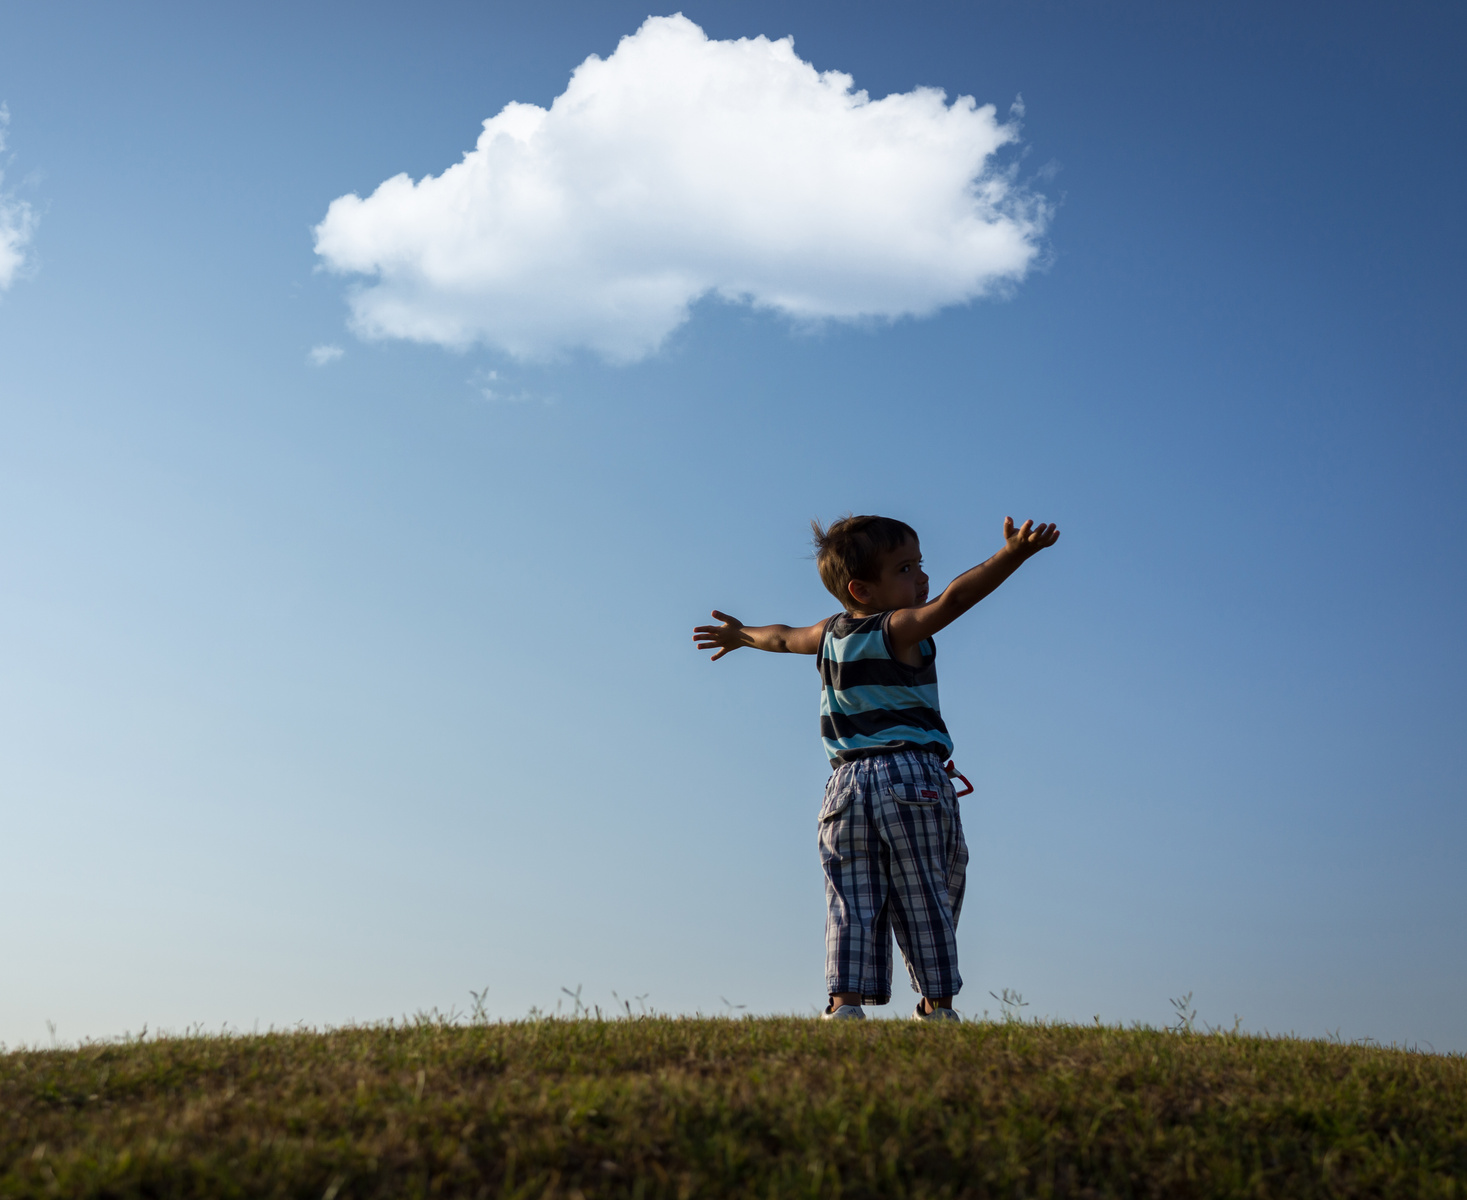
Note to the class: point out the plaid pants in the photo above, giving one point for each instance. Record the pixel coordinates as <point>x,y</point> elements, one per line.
<point>892,848</point>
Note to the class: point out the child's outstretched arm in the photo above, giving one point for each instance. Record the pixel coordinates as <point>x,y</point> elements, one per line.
<point>911,625</point>
<point>780,639</point>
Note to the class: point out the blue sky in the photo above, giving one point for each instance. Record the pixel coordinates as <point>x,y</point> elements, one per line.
<point>331,692</point>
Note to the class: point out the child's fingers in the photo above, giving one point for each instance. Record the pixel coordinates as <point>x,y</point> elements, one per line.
<point>725,618</point>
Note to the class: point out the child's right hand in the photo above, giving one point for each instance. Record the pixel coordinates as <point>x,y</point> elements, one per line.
<point>728,636</point>
<point>1030,539</point>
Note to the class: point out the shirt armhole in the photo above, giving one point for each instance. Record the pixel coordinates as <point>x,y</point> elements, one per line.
<point>824,630</point>
<point>930,642</point>
<point>886,636</point>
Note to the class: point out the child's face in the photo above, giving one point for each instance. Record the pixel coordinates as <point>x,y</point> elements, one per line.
<point>901,584</point>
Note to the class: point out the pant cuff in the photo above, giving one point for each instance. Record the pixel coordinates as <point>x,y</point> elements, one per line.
<point>836,988</point>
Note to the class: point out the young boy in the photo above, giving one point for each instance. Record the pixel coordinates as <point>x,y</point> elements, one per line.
<point>891,840</point>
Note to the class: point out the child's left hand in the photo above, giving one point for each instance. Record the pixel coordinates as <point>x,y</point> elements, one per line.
<point>723,638</point>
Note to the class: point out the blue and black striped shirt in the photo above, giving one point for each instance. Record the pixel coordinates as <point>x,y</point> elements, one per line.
<point>872,703</point>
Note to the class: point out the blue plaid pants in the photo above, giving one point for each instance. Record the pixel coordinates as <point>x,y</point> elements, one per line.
<point>892,848</point>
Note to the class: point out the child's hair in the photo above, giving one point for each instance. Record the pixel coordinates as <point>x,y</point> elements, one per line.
<point>852,548</point>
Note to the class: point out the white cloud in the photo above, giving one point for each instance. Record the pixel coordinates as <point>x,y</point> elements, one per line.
<point>498,391</point>
<point>17,222</point>
<point>321,355</point>
<point>680,167</point>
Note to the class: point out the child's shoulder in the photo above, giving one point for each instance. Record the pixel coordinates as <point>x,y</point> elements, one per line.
<point>845,623</point>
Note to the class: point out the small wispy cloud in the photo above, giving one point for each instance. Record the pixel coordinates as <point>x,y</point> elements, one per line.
<point>321,355</point>
<point>17,221</point>
<point>681,167</point>
<point>491,387</point>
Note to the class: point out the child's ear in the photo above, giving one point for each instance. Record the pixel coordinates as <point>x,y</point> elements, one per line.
<point>860,593</point>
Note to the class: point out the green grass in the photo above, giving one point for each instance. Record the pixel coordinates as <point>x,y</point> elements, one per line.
<point>771,1107</point>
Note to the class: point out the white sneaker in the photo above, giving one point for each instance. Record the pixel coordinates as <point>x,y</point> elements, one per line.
<point>846,1012</point>
<point>937,1014</point>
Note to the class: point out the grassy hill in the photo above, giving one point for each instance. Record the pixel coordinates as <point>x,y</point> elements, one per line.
<point>661,1107</point>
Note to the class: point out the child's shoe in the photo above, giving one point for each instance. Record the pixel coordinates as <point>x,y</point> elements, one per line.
<point>846,1012</point>
<point>937,1014</point>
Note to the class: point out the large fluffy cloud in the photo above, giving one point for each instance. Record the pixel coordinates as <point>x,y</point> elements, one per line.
<point>17,221</point>
<point>680,167</point>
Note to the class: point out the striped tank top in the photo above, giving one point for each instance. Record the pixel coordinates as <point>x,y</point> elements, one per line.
<point>871,702</point>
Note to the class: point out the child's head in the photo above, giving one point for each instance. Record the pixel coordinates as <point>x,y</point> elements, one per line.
<point>856,548</point>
